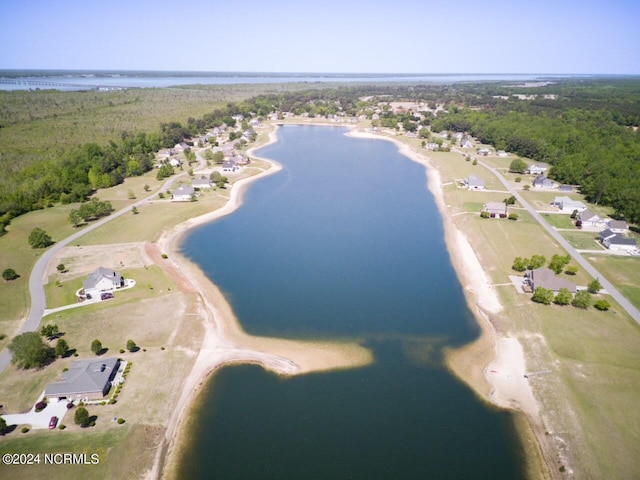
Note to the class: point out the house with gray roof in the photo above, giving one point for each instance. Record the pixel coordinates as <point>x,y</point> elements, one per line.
<point>618,242</point>
<point>543,182</point>
<point>618,226</point>
<point>102,280</point>
<point>474,183</point>
<point>202,182</point>
<point>588,218</point>
<point>85,379</point>
<point>568,205</point>
<point>545,278</point>
<point>496,209</point>
<point>183,194</point>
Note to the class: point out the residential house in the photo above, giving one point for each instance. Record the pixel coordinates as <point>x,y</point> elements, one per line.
<point>568,205</point>
<point>180,147</point>
<point>618,226</point>
<point>240,160</point>
<point>175,162</point>
<point>605,235</point>
<point>590,219</point>
<point>202,182</point>
<point>473,183</point>
<point>565,188</point>
<point>183,194</point>
<point>432,146</point>
<point>466,143</point>
<point>90,379</point>
<point>536,169</point>
<point>545,278</point>
<point>496,209</point>
<point>102,280</point>
<point>484,152</point>
<point>229,166</point>
<point>618,242</point>
<point>542,182</point>
<point>502,153</point>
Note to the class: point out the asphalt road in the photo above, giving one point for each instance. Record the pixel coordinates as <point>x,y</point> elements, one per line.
<point>36,280</point>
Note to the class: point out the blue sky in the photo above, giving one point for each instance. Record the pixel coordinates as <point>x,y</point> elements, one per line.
<point>400,36</point>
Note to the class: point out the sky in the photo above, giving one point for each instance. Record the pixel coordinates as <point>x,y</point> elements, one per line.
<point>346,36</point>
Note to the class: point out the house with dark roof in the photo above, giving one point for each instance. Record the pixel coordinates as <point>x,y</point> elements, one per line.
<point>620,243</point>
<point>102,280</point>
<point>542,182</point>
<point>545,278</point>
<point>85,379</point>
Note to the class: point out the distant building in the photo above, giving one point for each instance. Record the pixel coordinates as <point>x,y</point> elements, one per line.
<point>618,226</point>
<point>536,169</point>
<point>542,182</point>
<point>202,182</point>
<point>590,219</point>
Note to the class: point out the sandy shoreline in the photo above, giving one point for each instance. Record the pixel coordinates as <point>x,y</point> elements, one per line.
<point>501,382</point>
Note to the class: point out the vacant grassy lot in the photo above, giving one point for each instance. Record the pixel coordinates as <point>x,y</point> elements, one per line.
<point>559,220</point>
<point>623,272</point>
<point>583,240</point>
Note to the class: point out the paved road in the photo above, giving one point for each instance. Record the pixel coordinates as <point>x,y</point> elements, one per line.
<point>608,286</point>
<point>36,280</point>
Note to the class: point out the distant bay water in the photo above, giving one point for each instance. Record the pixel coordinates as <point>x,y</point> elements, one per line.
<point>345,242</point>
<point>69,80</point>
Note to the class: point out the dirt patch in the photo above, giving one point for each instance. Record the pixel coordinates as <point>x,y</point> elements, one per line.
<point>82,260</point>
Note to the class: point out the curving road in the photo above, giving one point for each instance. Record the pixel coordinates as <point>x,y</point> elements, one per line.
<point>608,286</point>
<point>36,280</point>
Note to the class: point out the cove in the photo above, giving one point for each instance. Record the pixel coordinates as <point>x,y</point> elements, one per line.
<point>344,242</point>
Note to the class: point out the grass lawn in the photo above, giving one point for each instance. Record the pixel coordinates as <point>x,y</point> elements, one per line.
<point>559,220</point>
<point>582,240</point>
<point>623,272</point>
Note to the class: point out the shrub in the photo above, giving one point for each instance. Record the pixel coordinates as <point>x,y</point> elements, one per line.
<point>81,417</point>
<point>9,274</point>
<point>122,350</point>
<point>602,305</point>
<point>96,346</point>
<point>62,426</point>
<point>120,421</point>
<point>485,214</point>
<point>542,295</point>
<point>513,216</point>
<point>131,346</point>
<point>526,187</point>
<point>520,264</point>
<point>164,255</point>
<point>563,297</point>
<point>582,299</point>
<point>594,286</point>
<point>25,429</point>
<point>518,179</point>
<point>571,270</point>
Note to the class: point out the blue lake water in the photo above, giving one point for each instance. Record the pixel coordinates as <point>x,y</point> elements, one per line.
<point>91,79</point>
<point>345,242</point>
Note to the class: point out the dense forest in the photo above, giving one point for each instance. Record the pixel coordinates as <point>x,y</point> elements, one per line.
<point>586,129</point>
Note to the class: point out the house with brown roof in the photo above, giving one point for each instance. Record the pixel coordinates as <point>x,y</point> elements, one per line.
<point>545,278</point>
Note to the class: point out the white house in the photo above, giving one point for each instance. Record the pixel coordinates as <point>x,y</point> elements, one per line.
<point>102,280</point>
<point>542,182</point>
<point>183,194</point>
<point>536,169</point>
<point>466,143</point>
<point>568,205</point>
<point>502,153</point>
<point>175,162</point>
<point>474,183</point>
<point>496,209</point>
<point>229,166</point>
<point>618,226</point>
<point>590,219</point>
<point>618,242</point>
<point>202,182</point>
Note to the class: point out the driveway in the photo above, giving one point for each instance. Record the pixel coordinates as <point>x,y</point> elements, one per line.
<point>40,419</point>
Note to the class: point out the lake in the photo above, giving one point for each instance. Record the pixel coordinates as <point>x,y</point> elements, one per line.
<point>345,242</point>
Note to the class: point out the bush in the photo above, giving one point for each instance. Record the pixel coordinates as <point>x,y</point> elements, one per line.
<point>513,216</point>
<point>9,274</point>
<point>602,305</point>
<point>518,179</point>
<point>120,421</point>
<point>582,299</point>
<point>25,429</point>
<point>122,350</point>
<point>485,214</point>
<point>542,295</point>
<point>164,255</point>
<point>563,297</point>
<point>594,286</point>
<point>38,238</point>
<point>131,346</point>
<point>571,270</point>
<point>520,264</point>
<point>81,417</point>
<point>96,346</point>
<point>62,426</point>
